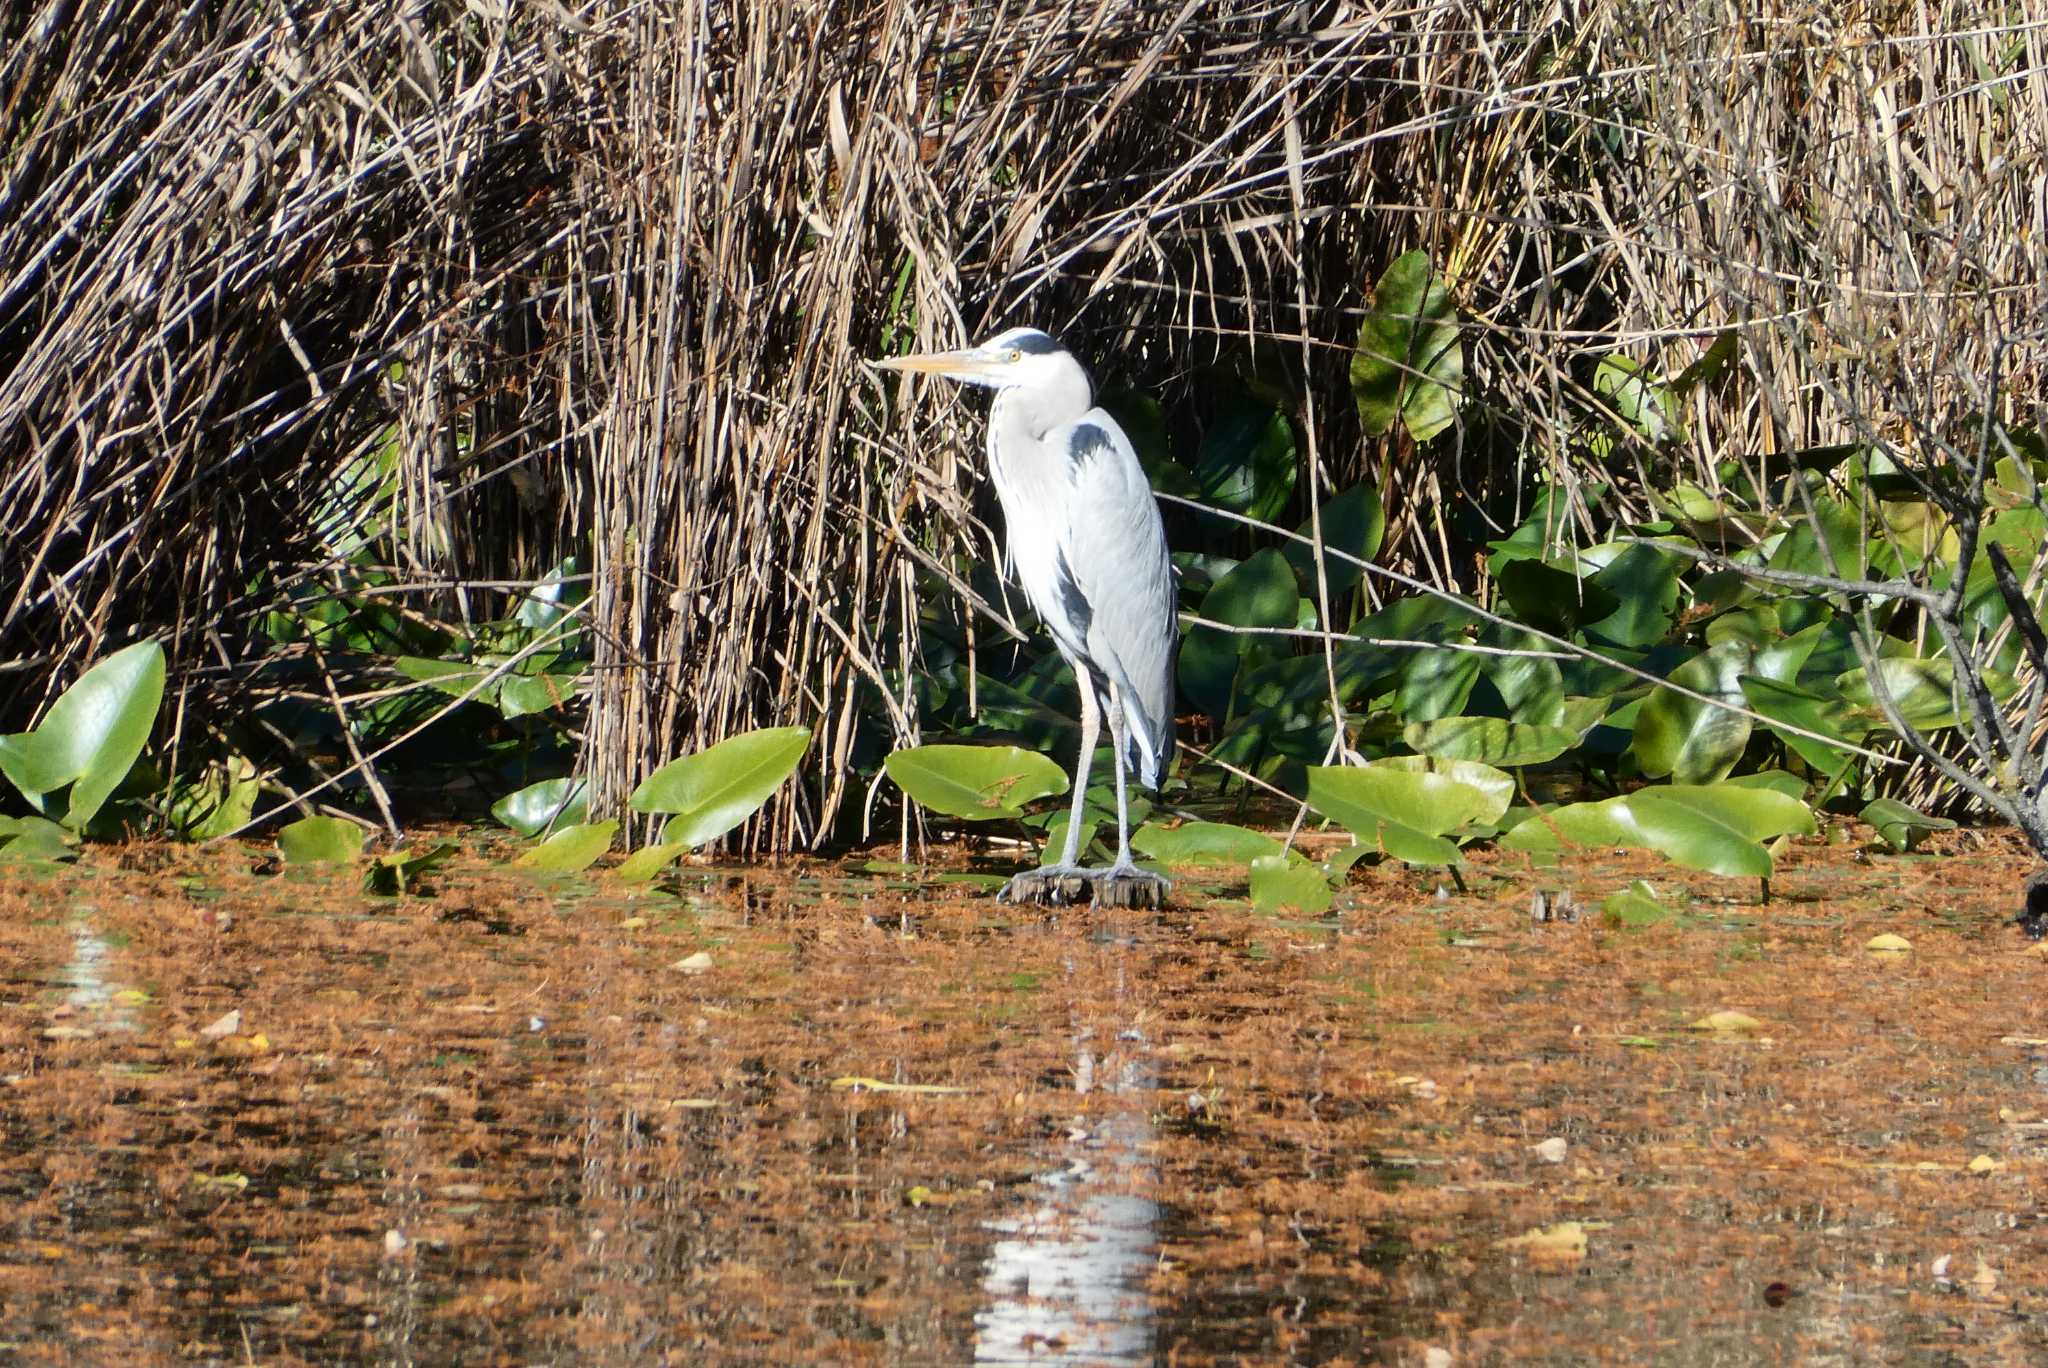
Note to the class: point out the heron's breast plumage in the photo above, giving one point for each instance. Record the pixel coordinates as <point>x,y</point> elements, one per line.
<point>1088,549</point>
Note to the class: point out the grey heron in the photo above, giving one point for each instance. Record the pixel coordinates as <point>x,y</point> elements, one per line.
<point>1086,544</point>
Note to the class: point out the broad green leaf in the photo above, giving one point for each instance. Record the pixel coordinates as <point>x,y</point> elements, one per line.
<point>1644,579</point>
<point>1338,867</point>
<point>1577,715</point>
<point>1258,593</point>
<point>1496,786</point>
<point>1795,707</point>
<point>1280,884</point>
<point>1354,523</point>
<point>41,828</point>
<point>1409,364</point>
<point>456,678</point>
<point>320,840</point>
<point>1687,502</point>
<point>646,862</point>
<point>1101,803</point>
<point>400,872</point>
<point>1171,477</point>
<point>34,769</point>
<point>1288,693</point>
<point>1754,627</point>
<point>1635,907</point>
<point>1642,401</point>
<point>1431,804</point>
<point>1803,707</point>
<point>520,695</point>
<point>1714,360</point>
<point>1022,713</point>
<point>1782,660</point>
<point>1724,589</point>
<point>1716,828</point>
<point>26,840</point>
<point>1758,813</point>
<point>1841,526</point>
<point>1490,740</point>
<point>1899,826</point>
<point>1920,688</point>
<point>571,849</point>
<point>221,800</point>
<point>91,736</point>
<point>1410,846</point>
<point>1246,462</point>
<point>1543,532</point>
<point>549,803</point>
<point>1623,718</point>
<point>1056,834</point>
<point>1776,780</point>
<point>1531,685</point>
<point>978,783</point>
<point>1437,683</point>
<point>1553,600</point>
<point>2020,531</point>
<point>1917,531</point>
<point>1606,824</point>
<point>552,598</point>
<point>721,786</point>
<point>1695,742</point>
<point>1695,836</point>
<point>1199,572</point>
<point>1363,668</point>
<point>1205,843</point>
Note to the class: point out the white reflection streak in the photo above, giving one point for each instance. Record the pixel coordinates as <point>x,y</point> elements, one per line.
<point>86,978</point>
<point>1067,1285</point>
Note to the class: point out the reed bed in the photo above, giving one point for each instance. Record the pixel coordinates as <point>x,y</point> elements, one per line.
<point>600,279</point>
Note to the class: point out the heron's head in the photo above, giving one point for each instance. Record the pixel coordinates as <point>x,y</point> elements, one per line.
<point>1018,358</point>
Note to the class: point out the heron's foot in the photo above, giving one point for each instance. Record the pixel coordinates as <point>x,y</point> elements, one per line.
<point>1053,884</point>
<point>1125,885</point>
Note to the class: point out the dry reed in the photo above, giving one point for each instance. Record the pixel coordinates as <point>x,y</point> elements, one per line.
<point>607,273</point>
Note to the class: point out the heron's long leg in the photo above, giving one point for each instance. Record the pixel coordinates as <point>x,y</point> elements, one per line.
<point>1123,884</point>
<point>1065,881</point>
<point>1116,758</point>
<point>1091,727</point>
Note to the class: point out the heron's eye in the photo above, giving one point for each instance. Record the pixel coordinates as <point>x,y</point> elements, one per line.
<point>1016,355</point>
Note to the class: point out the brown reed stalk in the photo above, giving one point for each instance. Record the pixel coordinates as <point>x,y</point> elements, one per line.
<point>605,273</point>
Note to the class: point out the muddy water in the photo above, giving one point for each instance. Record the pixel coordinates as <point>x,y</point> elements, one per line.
<point>818,1115</point>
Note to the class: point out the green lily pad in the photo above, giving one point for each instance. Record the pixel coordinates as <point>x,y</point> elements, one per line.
<point>1489,740</point>
<point>1692,741</point>
<point>1279,883</point>
<point>977,783</point>
<point>571,849</point>
<point>400,872</point>
<point>721,786</point>
<point>538,807</point>
<point>1899,826</point>
<point>320,840</point>
<point>92,735</point>
<point>1409,365</point>
<point>1206,843</point>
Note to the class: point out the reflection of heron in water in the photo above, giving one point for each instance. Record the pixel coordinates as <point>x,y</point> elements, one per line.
<point>1066,1280</point>
<point>1085,538</point>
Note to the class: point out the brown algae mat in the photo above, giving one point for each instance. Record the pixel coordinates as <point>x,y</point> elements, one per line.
<point>806,1113</point>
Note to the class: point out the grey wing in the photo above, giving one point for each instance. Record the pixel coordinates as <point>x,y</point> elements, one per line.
<point>1115,563</point>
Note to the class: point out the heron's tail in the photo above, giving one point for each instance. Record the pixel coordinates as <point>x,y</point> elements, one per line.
<point>1148,739</point>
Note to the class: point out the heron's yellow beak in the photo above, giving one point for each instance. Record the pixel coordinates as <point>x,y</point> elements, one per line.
<point>966,362</point>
